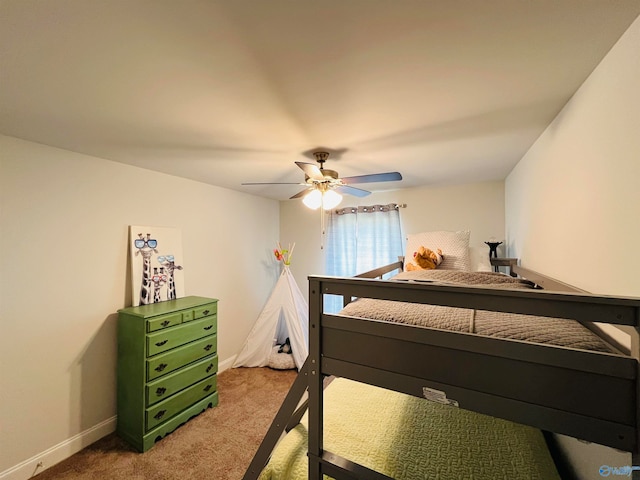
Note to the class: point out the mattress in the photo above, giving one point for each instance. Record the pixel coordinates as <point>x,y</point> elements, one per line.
<point>529,328</point>
<point>408,438</point>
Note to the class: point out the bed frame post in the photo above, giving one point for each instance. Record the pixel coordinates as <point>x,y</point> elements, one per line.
<point>315,381</point>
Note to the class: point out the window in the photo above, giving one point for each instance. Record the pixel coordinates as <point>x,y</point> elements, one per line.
<point>361,239</point>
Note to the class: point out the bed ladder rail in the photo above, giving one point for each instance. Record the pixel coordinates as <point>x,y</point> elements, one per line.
<point>283,420</point>
<point>341,468</point>
<point>289,415</point>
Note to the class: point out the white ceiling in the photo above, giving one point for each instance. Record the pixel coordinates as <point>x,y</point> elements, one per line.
<point>235,91</point>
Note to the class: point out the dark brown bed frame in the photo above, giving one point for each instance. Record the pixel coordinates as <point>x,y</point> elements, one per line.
<point>588,395</point>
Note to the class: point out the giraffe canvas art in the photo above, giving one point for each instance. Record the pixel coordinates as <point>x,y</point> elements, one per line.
<point>156,264</point>
<point>170,264</point>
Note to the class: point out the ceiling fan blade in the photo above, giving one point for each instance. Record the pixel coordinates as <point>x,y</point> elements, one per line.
<point>374,177</point>
<point>272,183</point>
<point>357,192</point>
<point>312,171</point>
<point>301,194</point>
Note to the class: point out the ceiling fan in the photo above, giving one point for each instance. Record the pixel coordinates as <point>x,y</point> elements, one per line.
<point>323,186</point>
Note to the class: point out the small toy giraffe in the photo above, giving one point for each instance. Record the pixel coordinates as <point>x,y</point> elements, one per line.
<point>169,262</point>
<point>146,247</point>
<point>158,279</point>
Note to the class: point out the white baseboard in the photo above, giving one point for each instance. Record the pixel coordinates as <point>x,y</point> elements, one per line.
<point>40,462</point>
<point>222,366</point>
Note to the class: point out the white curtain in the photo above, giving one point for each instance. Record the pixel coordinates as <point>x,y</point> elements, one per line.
<point>361,239</point>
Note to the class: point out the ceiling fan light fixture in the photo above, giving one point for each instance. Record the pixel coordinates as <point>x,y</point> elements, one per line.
<point>331,199</point>
<point>313,199</point>
<point>317,198</point>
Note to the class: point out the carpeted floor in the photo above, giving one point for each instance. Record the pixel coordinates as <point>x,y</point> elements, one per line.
<point>217,444</point>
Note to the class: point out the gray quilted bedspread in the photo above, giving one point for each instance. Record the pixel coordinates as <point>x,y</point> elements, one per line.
<point>530,328</point>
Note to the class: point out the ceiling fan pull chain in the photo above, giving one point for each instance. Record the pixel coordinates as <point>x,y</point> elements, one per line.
<point>322,214</point>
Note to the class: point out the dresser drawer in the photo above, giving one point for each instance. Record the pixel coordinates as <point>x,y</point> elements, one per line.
<point>167,385</point>
<point>167,339</point>
<point>166,409</point>
<point>158,323</point>
<point>177,358</point>
<point>205,310</point>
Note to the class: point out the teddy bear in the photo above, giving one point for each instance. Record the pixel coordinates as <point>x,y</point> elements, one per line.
<point>425,259</point>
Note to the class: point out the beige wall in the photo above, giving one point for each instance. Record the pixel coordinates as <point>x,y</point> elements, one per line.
<point>478,207</point>
<point>63,248</point>
<point>573,201</point>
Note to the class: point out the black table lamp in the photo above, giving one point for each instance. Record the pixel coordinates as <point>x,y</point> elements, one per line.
<point>493,251</point>
<point>493,248</point>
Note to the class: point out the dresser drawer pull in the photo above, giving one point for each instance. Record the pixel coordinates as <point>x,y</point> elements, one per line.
<point>210,367</point>
<point>160,391</point>
<point>209,327</point>
<point>206,312</point>
<point>161,367</point>
<point>165,323</point>
<point>160,414</point>
<point>208,347</point>
<point>159,344</point>
<point>208,387</point>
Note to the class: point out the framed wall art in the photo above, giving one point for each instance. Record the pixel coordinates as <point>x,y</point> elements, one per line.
<point>157,272</point>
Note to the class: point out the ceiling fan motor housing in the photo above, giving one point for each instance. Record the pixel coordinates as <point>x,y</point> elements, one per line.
<point>328,174</point>
<point>321,157</point>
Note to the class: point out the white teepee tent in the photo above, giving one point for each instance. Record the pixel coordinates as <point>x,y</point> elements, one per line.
<point>285,314</point>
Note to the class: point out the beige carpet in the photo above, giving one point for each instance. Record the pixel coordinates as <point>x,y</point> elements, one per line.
<point>217,444</point>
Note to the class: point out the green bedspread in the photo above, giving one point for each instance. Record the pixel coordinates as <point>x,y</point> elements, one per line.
<point>410,438</point>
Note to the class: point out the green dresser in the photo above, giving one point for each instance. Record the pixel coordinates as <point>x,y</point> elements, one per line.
<point>167,365</point>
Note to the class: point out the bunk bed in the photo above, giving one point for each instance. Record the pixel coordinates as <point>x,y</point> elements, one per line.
<point>587,394</point>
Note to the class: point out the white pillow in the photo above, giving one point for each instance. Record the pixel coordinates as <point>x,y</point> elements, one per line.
<point>480,259</point>
<point>280,361</point>
<point>454,246</point>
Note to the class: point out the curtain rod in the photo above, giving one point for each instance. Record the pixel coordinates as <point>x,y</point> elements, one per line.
<point>370,208</point>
